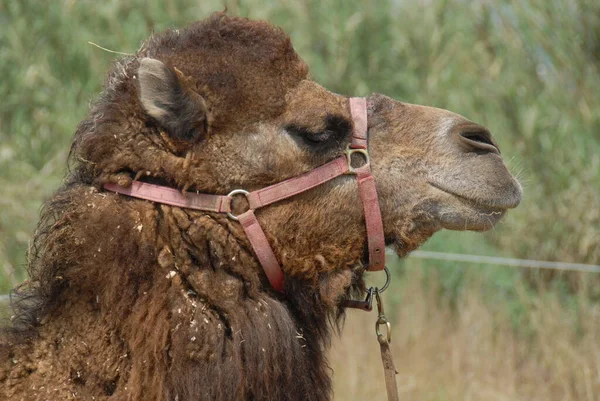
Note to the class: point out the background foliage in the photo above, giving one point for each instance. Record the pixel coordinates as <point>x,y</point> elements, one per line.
<point>528,70</point>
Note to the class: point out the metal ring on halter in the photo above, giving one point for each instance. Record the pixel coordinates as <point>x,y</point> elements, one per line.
<point>349,152</point>
<point>236,192</point>
<point>388,278</point>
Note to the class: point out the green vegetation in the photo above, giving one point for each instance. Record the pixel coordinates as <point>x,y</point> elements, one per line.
<point>527,70</point>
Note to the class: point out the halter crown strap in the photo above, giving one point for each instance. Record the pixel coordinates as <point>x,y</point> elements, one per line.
<point>283,190</point>
<point>358,109</point>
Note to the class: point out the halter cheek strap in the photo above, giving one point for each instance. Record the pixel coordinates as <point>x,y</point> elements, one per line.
<point>366,187</point>
<point>283,190</point>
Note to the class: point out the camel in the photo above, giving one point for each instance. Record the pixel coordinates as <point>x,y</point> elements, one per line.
<point>130,299</point>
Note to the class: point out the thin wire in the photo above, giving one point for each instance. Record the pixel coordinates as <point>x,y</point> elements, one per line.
<point>494,260</point>
<point>491,260</point>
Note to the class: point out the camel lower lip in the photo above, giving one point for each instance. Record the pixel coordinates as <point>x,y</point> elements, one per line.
<point>477,220</point>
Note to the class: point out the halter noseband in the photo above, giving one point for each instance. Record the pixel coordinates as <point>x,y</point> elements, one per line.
<point>283,190</point>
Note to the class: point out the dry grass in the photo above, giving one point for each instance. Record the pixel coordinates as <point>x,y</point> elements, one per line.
<point>473,352</point>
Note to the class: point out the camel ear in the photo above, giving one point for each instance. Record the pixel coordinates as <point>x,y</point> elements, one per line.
<point>178,109</point>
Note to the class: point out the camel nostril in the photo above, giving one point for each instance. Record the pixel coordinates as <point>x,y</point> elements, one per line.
<point>480,140</point>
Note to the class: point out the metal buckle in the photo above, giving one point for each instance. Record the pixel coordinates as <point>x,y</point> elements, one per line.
<point>367,304</point>
<point>236,192</point>
<point>349,152</point>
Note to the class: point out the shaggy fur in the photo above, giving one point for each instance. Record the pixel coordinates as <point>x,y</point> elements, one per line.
<point>133,300</point>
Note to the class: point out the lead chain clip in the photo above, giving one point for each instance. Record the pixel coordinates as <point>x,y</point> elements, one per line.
<point>382,320</point>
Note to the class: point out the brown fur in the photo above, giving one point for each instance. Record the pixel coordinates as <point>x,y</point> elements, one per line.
<point>132,300</point>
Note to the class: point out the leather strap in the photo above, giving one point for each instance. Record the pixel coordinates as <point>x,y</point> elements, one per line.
<point>173,197</point>
<point>372,213</point>
<point>389,371</point>
<point>367,189</point>
<point>262,249</point>
<point>296,185</point>
<point>358,109</point>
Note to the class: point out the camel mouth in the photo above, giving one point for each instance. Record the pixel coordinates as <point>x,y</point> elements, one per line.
<point>487,206</point>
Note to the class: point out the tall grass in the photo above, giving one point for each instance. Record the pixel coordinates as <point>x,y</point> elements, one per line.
<point>529,71</point>
<point>471,352</point>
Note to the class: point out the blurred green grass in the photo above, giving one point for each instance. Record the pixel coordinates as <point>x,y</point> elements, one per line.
<point>527,70</point>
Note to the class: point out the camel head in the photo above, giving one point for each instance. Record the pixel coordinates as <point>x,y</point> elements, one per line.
<point>227,104</point>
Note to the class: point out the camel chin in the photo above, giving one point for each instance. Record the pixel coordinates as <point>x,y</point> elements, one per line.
<point>468,215</point>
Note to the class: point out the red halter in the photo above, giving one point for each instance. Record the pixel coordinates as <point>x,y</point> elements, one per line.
<point>283,190</point>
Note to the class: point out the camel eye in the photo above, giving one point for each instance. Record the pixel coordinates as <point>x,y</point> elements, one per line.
<point>336,130</point>
<point>307,136</point>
